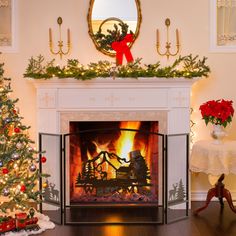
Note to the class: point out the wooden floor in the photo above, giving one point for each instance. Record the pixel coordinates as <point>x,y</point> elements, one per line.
<point>211,222</point>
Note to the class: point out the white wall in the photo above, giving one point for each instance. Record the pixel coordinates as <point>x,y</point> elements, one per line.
<point>192,19</point>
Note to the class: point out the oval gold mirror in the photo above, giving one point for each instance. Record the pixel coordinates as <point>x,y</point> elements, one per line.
<point>112,20</point>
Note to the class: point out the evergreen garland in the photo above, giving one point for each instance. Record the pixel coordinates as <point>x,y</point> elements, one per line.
<point>190,67</point>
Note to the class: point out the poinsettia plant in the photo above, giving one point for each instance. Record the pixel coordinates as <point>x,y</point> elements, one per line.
<point>217,112</point>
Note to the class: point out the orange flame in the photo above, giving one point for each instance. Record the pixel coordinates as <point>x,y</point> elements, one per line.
<point>125,143</point>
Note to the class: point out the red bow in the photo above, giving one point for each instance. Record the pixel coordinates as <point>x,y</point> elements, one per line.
<point>122,48</point>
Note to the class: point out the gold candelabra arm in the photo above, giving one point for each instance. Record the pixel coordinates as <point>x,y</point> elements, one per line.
<point>60,42</point>
<point>167,52</point>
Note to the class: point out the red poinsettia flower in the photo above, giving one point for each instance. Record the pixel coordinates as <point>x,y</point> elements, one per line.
<point>218,112</point>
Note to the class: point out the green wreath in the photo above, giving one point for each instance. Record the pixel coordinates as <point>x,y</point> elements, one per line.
<point>118,33</point>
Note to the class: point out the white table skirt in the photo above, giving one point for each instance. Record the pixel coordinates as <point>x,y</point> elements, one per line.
<point>213,158</point>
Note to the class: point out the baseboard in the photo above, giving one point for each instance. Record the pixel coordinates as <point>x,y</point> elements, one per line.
<point>201,196</point>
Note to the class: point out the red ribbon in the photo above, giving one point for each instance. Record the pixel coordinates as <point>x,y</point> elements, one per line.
<point>122,48</point>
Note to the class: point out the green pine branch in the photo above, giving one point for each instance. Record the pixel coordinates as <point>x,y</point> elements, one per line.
<point>186,67</point>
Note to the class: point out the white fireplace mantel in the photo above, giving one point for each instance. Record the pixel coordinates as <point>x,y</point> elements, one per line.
<point>170,95</point>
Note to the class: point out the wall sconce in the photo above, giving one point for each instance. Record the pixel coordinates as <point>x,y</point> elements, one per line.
<point>60,42</point>
<point>168,44</point>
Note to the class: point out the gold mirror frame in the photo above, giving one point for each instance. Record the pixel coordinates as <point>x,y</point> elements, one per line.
<point>91,33</point>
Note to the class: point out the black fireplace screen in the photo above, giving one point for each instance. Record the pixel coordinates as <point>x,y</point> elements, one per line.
<point>108,173</point>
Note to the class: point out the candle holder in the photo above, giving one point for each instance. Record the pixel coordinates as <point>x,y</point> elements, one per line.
<point>167,53</point>
<point>60,42</point>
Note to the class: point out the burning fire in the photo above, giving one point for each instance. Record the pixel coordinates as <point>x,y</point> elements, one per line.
<point>123,146</point>
<point>106,166</point>
<point>125,143</point>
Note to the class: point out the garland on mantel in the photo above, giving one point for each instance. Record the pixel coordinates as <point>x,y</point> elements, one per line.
<point>187,67</point>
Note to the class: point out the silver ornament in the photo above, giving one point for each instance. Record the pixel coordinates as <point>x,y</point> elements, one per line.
<point>15,156</point>
<point>5,192</point>
<point>7,120</point>
<point>32,167</point>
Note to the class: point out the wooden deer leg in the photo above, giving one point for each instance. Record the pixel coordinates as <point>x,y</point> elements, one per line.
<point>211,193</point>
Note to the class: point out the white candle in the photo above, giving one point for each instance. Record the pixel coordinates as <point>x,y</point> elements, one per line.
<point>177,37</point>
<point>50,35</point>
<point>68,35</point>
<point>157,36</point>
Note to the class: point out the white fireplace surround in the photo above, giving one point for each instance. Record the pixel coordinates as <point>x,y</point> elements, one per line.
<point>167,101</point>
<point>60,101</point>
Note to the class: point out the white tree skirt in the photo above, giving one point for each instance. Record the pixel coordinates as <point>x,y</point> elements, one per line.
<point>43,222</point>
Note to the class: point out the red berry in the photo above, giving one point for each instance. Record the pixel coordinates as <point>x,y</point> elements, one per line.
<point>17,130</point>
<point>22,188</point>
<point>43,159</point>
<point>5,171</point>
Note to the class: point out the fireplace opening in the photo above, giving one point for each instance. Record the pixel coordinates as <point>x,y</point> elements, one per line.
<point>113,162</point>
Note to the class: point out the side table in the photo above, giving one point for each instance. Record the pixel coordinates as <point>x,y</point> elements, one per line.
<point>214,159</point>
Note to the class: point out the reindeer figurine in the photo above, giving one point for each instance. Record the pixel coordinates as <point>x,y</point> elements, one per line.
<point>172,192</point>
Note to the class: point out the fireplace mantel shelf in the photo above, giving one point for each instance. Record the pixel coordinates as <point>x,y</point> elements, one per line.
<point>120,82</point>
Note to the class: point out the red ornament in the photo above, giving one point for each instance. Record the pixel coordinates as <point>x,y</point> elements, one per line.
<point>122,48</point>
<point>17,130</point>
<point>15,111</point>
<point>22,188</point>
<point>5,171</point>
<point>43,159</point>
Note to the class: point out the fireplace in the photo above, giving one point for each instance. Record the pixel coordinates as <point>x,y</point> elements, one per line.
<point>114,162</point>
<point>71,111</point>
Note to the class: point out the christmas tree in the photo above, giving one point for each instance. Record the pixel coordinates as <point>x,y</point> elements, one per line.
<point>19,173</point>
